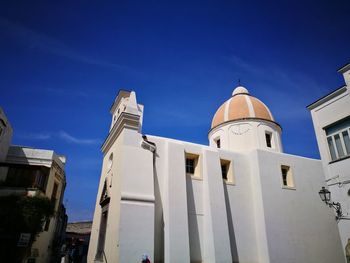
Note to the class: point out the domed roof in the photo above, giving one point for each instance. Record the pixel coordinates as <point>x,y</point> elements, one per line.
<point>241,106</point>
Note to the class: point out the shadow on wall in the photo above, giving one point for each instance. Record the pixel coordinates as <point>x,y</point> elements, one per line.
<point>158,218</point>
<point>193,228</point>
<point>234,252</point>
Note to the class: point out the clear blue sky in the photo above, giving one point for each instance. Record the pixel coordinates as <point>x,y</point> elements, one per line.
<point>63,62</point>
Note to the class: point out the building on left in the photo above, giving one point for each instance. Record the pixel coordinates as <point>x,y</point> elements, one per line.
<point>26,171</point>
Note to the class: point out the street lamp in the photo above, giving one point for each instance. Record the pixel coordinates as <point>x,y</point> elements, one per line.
<point>325,196</point>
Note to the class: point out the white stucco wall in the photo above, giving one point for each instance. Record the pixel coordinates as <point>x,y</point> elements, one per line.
<point>258,219</point>
<point>113,188</point>
<point>329,110</point>
<point>299,226</point>
<point>130,187</point>
<point>243,135</point>
<point>158,209</point>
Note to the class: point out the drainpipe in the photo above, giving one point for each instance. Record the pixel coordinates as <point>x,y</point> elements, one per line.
<point>148,144</point>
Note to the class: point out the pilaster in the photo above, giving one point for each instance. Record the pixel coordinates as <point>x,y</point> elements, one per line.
<point>216,232</point>
<point>176,235</point>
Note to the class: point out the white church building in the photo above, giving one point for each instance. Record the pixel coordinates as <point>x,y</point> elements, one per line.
<point>240,199</point>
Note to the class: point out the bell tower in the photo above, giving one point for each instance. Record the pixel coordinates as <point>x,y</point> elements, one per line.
<point>125,103</point>
<point>123,225</point>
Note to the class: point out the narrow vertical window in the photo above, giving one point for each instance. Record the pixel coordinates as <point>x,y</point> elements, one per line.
<point>192,165</point>
<point>339,145</point>
<point>346,141</point>
<point>102,233</point>
<point>284,176</point>
<point>331,148</point>
<point>268,137</point>
<point>54,194</point>
<point>287,176</point>
<point>226,171</point>
<point>218,143</point>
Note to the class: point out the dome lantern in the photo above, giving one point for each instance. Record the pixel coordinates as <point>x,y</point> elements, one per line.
<point>240,90</point>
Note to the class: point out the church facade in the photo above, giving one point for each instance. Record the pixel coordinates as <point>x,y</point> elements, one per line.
<point>239,199</point>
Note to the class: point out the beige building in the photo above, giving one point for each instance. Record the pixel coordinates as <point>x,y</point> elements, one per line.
<point>35,172</point>
<point>238,199</point>
<point>5,135</point>
<point>331,119</point>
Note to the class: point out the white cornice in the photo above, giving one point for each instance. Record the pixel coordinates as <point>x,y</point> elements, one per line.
<point>344,68</point>
<point>124,121</point>
<point>327,97</point>
<point>28,160</point>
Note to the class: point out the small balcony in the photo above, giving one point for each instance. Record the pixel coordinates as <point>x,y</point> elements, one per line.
<point>23,179</point>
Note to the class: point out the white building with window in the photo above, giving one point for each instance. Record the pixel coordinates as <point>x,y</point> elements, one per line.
<point>26,171</point>
<point>36,172</point>
<point>331,119</point>
<point>239,199</point>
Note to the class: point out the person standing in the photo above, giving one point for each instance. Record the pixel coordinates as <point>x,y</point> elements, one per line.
<point>145,259</point>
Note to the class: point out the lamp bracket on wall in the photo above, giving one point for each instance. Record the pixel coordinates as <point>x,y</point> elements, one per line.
<point>325,196</point>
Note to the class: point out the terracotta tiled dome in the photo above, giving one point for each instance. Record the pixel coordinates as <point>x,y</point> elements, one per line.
<point>241,106</point>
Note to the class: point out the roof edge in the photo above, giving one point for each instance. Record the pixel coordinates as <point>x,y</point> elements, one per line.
<point>327,97</point>
<point>344,68</point>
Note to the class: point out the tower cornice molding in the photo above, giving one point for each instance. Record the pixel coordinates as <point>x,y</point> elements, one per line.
<point>124,121</point>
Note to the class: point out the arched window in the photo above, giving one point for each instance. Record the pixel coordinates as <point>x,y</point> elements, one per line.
<point>104,203</point>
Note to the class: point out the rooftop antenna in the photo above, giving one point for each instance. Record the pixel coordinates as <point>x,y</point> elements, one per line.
<point>239,82</point>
